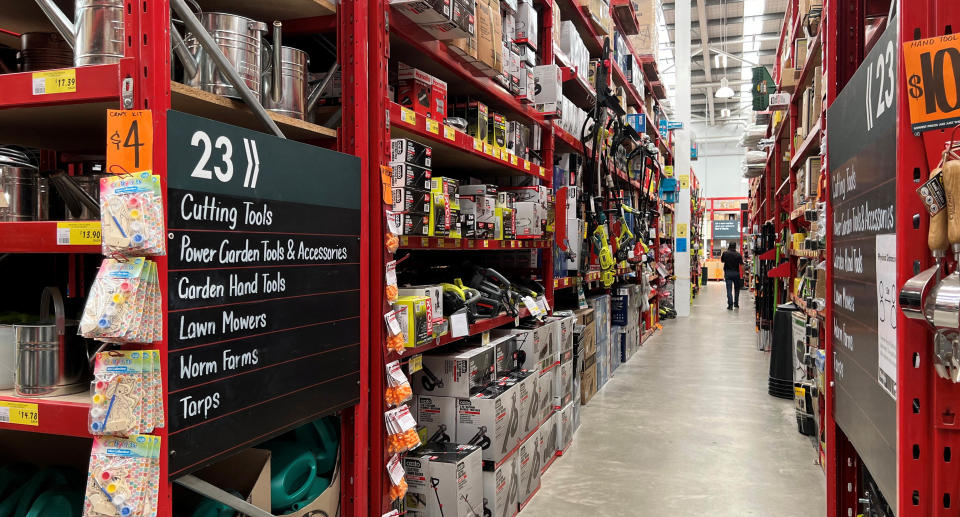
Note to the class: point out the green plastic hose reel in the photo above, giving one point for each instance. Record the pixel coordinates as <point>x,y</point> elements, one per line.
<point>62,501</point>
<point>323,438</point>
<point>34,488</point>
<point>319,484</point>
<point>210,508</point>
<point>293,467</point>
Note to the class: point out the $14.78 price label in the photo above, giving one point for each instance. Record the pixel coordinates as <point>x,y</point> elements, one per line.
<point>21,413</point>
<point>933,81</point>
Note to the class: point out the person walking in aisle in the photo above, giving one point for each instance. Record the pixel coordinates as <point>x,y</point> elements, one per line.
<point>731,274</point>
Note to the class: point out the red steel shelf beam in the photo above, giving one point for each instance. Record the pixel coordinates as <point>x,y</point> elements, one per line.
<point>810,143</point>
<point>565,139</point>
<point>37,237</point>
<point>450,138</point>
<point>64,416</point>
<point>476,329</point>
<point>97,83</point>
<point>447,243</point>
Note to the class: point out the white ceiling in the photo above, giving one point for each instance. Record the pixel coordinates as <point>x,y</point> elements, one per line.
<point>745,29</point>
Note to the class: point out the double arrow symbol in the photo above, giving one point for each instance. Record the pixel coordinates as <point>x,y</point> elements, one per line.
<point>253,163</point>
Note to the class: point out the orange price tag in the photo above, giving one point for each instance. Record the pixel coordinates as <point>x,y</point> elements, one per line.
<point>433,126</point>
<point>933,82</point>
<point>449,133</point>
<point>386,173</point>
<point>129,141</point>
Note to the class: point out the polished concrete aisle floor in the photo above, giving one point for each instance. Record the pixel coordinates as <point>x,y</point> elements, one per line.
<point>686,428</point>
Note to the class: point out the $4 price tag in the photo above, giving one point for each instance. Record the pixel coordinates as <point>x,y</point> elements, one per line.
<point>129,141</point>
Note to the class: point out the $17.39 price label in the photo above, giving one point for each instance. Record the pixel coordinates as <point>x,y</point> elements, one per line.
<point>932,68</point>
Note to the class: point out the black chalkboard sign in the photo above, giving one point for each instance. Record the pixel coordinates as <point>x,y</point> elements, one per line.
<point>861,129</point>
<point>263,287</point>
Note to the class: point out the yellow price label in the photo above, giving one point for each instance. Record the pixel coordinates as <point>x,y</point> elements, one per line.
<point>556,283</point>
<point>79,233</point>
<point>486,244</point>
<point>433,126</point>
<point>477,145</point>
<point>543,172</point>
<point>526,165</point>
<point>487,149</point>
<point>681,230</point>
<point>20,413</point>
<point>404,240</point>
<point>416,363</point>
<point>407,115</point>
<point>440,242</point>
<point>684,181</point>
<point>449,133</point>
<point>55,81</point>
<point>504,155</point>
<point>424,241</point>
<point>513,160</point>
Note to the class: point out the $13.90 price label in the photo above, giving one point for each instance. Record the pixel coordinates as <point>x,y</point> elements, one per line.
<point>79,233</point>
<point>21,413</point>
<point>932,68</point>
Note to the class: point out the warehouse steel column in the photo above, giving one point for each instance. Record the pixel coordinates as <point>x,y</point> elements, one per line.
<point>681,257</point>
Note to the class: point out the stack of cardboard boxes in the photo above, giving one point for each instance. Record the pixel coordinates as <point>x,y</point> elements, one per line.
<point>646,41</point>
<point>495,412</point>
<point>601,311</point>
<point>585,353</point>
<point>627,327</point>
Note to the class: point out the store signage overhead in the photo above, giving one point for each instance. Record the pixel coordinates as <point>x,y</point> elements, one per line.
<point>726,229</point>
<point>264,277</point>
<point>933,81</point>
<point>863,122</point>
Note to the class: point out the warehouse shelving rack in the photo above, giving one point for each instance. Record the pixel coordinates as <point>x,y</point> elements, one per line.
<point>926,405</point>
<point>392,34</point>
<point>70,122</point>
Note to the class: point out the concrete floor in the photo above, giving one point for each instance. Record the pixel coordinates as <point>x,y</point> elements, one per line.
<point>686,428</point>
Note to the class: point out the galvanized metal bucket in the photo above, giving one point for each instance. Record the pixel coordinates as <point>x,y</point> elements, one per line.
<point>51,358</point>
<point>99,31</point>
<point>239,39</point>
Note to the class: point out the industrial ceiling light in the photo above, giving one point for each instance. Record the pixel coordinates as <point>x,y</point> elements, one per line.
<point>725,91</point>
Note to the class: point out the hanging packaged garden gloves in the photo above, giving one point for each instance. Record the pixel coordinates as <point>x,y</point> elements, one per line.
<point>131,214</point>
<point>398,387</point>
<point>121,476</point>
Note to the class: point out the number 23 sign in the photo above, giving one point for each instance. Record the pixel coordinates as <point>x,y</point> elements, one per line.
<point>129,141</point>
<point>933,82</point>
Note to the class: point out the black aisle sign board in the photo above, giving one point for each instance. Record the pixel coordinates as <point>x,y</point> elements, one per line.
<point>862,125</point>
<point>263,287</point>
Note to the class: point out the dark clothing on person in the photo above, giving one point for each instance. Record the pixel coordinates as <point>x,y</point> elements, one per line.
<point>731,276</point>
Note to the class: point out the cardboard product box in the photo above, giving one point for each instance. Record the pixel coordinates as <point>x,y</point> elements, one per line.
<point>526,88</point>
<point>423,12</point>
<point>533,344</point>
<point>488,35</point>
<point>505,354</point>
<point>434,294</point>
<point>588,379</point>
<point>601,307</point>
<point>531,220</point>
<point>565,428</point>
<point>491,420</point>
<point>501,487</point>
<point>563,384</point>
<point>413,313</point>
<point>415,90</point>
<point>497,131</point>
<point>565,336</point>
<point>528,398</point>
<point>438,415</point>
<point>526,25</point>
<point>528,458</point>
<point>545,386</point>
<point>587,340</point>
<point>246,472</point>
<point>406,175</point>
<point>444,479</point>
<point>483,210</point>
<point>548,441</point>
<point>457,372</point>
<point>464,14</point>
<point>509,23</point>
<point>575,229</point>
<point>549,89</point>
<point>403,150</point>
<point>477,189</point>
<point>438,99</point>
<point>476,114</point>
<point>412,224</point>
<point>439,215</point>
<point>462,22</point>
<point>411,201</point>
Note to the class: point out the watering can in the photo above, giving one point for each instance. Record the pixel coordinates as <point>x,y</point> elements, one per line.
<point>96,34</point>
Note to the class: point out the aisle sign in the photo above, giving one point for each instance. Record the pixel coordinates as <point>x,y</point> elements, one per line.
<point>264,277</point>
<point>863,171</point>
<point>129,141</point>
<point>725,229</point>
<point>932,69</point>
